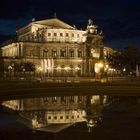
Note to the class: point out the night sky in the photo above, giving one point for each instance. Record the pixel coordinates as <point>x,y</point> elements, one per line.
<point>119,19</point>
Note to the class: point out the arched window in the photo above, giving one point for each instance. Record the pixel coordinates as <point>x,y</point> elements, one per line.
<point>45,53</point>
<point>79,53</point>
<point>67,35</point>
<point>55,34</point>
<point>49,34</point>
<point>62,53</point>
<point>54,53</point>
<point>71,53</point>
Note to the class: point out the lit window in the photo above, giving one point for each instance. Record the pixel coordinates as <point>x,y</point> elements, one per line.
<point>54,99</point>
<point>45,53</point>
<point>54,53</point>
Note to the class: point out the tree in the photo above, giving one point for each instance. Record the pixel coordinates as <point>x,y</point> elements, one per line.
<point>115,60</point>
<point>126,58</point>
<point>131,57</point>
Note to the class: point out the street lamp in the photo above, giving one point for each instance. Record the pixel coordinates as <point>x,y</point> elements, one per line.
<point>106,70</point>
<point>10,70</point>
<point>24,72</point>
<point>124,70</point>
<point>100,65</point>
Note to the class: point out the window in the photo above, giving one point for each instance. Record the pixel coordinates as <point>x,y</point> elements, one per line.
<point>55,117</point>
<point>62,53</point>
<point>79,98</point>
<point>45,99</point>
<point>54,53</point>
<point>71,53</point>
<point>49,117</point>
<point>78,116</point>
<point>63,99</point>
<point>49,34</point>
<point>71,98</point>
<point>61,117</point>
<point>72,117</point>
<point>55,34</point>
<point>67,34</point>
<point>54,99</point>
<point>45,53</point>
<point>61,34</point>
<point>79,53</point>
<point>95,53</point>
<point>31,53</point>
<point>72,35</point>
<point>67,117</point>
<point>78,35</point>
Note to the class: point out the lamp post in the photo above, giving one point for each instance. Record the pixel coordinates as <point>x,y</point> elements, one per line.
<point>101,69</point>
<point>24,72</point>
<point>124,70</point>
<point>106,68</point>
<point>10,70</point>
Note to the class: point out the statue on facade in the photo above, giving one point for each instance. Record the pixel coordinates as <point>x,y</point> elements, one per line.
<point>90,22</point>
<point>91,28</point>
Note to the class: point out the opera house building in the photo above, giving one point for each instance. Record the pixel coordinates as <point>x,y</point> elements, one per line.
<point>54,48</point>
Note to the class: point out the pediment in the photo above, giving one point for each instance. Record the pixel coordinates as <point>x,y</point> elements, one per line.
<point>54,23</point>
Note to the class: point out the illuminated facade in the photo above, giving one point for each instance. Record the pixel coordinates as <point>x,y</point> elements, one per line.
<point>56,49</point>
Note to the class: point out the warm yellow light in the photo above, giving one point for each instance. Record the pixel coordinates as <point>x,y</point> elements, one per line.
<point>124,69</point>
<point>10,67</point>
<point>77,68</point>
<point>40,68</point>
<point>67,68</point>
<point>100,65</point>
<point>107,66</point>
<point>58,68</point>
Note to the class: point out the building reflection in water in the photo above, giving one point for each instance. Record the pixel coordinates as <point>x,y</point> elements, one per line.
<point>53,114</point>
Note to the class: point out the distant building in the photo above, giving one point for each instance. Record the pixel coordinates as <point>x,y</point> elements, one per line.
<point>56,49</point>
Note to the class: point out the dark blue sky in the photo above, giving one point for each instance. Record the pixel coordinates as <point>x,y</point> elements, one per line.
<point>119,19</point>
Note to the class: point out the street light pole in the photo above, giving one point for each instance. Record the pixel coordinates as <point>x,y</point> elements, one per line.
<point>10,70</point>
